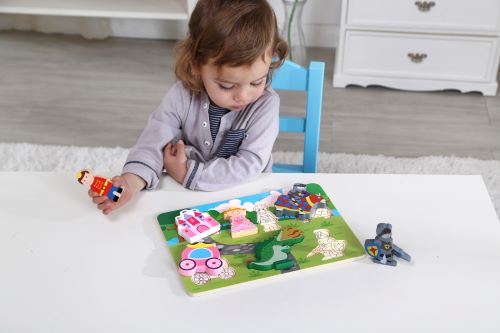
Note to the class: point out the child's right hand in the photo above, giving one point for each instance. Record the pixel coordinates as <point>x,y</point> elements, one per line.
<point>175,161</point>
<point>130,183</point>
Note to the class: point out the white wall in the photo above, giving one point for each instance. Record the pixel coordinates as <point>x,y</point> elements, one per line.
<point>320,22</point>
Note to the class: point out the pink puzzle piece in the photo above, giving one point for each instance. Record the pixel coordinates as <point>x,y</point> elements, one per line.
<point>194,226</point>
<point>201,258</point>
<point>241,227</point>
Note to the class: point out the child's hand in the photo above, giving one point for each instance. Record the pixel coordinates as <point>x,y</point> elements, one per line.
<point>130,183</point>
<point>175,161</point>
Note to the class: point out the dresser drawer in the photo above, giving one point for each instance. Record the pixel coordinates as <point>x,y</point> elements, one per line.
<point>461,15</point>
<point>418,56</point>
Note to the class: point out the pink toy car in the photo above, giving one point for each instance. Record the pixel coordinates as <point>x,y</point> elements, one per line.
<point>202,262</point>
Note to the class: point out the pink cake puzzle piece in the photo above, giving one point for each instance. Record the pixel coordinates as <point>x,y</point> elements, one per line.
<point>194,226</point>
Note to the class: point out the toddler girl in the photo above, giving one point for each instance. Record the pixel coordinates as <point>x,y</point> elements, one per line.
<point>217,125</point>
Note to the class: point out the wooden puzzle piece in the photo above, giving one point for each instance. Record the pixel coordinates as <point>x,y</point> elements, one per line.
<point>194,226</point>
<point>200,258</point>
<point>202,262</point>
<point>298,203</point>
<point>273,252</point>
<point>328,246</point>
<point>240,225</point>
<point>99,185</point>
<point>268,220</point>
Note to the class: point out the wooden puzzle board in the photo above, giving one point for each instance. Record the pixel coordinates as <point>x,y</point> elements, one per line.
<point>313,251</point>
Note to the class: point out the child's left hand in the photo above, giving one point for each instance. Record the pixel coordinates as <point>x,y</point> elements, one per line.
<point>175,161</point>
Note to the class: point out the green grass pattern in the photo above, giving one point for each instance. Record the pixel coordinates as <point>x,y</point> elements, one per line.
<point>336,225</point>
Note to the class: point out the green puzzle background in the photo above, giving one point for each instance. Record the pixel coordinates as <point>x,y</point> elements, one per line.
<point>336,225</point>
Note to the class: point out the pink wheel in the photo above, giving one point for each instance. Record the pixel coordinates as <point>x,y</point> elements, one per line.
<point>214,266</point>
<point>187,267</point>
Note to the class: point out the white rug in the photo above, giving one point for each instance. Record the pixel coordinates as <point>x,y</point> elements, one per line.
<point>30,157</point>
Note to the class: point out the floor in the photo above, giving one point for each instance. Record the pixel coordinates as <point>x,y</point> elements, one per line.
<point>57,89</point>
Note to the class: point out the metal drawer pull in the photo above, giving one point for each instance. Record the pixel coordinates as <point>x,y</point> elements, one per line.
<point>417,57</point>
<point>425,6</point>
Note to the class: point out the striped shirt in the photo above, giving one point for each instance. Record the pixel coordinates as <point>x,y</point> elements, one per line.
<point>215,114</point>
<point>232,138</point>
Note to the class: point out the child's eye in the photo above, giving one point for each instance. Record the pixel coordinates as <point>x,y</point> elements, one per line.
<point>256,84</point>
<point>225,87</point>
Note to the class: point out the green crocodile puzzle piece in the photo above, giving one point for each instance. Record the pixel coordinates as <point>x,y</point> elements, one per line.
<point>273,252</point>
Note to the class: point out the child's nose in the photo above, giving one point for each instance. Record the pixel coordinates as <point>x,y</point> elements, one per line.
<point>241,97</point>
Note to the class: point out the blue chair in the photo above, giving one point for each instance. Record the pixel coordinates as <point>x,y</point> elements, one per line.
<point>291,76</point>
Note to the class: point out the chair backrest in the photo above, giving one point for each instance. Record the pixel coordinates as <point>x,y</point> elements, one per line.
<point>291,76</point>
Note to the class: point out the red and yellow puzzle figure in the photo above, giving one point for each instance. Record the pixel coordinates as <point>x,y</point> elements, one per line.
<point>99,185</point>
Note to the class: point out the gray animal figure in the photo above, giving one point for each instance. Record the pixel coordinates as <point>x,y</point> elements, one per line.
<point>382,249</point>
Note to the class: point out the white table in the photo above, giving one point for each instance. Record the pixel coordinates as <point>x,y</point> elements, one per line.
<point>67,268</point>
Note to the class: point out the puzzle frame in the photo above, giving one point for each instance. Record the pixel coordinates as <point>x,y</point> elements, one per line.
<point>237,253</point>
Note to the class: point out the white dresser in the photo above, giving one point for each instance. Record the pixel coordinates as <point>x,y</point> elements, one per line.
<point>419,45</point>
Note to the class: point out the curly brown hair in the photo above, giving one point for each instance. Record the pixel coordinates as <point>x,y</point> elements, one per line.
<point>231,32</point>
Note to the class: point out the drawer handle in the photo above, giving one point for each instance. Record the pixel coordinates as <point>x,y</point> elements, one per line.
<point>425,6</point>
<point>417,57</point>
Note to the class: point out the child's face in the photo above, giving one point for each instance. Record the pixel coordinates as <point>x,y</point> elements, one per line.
<point>234,88</point>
